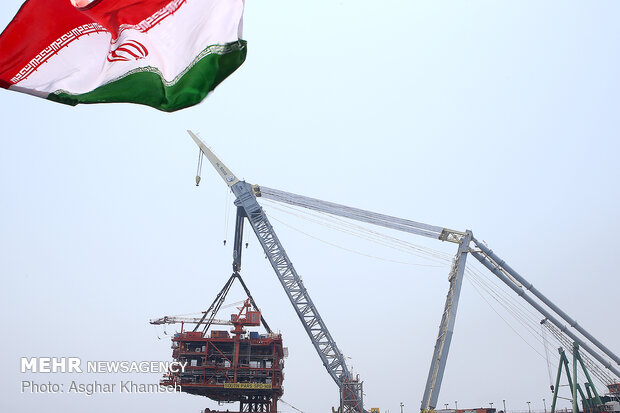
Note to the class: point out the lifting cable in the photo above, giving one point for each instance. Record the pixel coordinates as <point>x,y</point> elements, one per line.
<point>529,319</point>
<point>215,306</point>
<point>523,315</point>
<point>247,291</point>
<point>219,300</point>
<point>201,312</point>
<point>505,321</point>
<point>514,307</point>
<point>593,367</point>
<point>245,235</point>
<point>545,340</point>
<point>290,405</point>
<point>199,168</point>
<point>226,214</point>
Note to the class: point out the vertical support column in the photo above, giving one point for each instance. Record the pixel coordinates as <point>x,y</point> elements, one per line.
<point>574,382</point>
<point>238,243</point>
<point>446,328</point>
<point>235,366</point>
<point>589,383</point>
<point>556,389</point>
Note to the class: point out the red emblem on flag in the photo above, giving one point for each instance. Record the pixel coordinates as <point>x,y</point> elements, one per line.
<point>129,50</point>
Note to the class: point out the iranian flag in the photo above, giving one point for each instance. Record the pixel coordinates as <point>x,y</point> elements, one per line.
<point>167,54</point>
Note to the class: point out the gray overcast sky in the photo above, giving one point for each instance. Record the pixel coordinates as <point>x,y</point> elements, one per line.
<point>500,117</point>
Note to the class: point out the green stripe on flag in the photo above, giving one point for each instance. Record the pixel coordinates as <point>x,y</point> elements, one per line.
<point>147,87</point>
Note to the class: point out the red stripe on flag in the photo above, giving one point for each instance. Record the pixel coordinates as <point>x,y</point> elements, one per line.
<point>112,13</point>
<point>39,23</point>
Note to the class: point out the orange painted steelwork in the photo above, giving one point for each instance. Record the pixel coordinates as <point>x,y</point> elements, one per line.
<point>241,367</point>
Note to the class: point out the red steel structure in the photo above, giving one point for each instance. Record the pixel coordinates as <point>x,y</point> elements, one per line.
<point>238,367</point>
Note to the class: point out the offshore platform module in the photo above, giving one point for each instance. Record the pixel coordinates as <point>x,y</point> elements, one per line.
<point>238,367</point>
<point>259,392</point>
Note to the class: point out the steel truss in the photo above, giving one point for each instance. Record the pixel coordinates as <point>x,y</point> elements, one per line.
<point>446,328</point>
<point>315,327</point>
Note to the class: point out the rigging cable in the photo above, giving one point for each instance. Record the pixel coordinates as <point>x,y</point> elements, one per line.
<point>514,307</point>
<point>199,313</point>
<point>517,309</point>
<point>523,316</point>
<point>544,334</point>
<point>593,367</point>
<point>290,405</point>
<point>503,319</point>
<point>346,226</point>
<point>226,214</point>
<point>348,249</point>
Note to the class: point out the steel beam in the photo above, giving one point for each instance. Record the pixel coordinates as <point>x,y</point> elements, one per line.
<point>545,300</point>
<point>446,328</point>
<point>495,269</point>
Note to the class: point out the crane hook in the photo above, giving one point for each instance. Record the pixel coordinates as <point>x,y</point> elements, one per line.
<point>199,168</point>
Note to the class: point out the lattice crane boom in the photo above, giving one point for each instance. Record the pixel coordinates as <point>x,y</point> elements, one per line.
<point>334,361</point>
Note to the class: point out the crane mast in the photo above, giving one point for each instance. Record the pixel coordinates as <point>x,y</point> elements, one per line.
<point>446,328</point>
<point>351,391</point>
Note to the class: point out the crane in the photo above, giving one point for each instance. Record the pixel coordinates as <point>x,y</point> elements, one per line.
<point>351,388</point>
<point>351,391</point>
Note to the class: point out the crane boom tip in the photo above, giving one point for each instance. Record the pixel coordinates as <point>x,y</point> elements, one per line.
<point>219,166</point>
